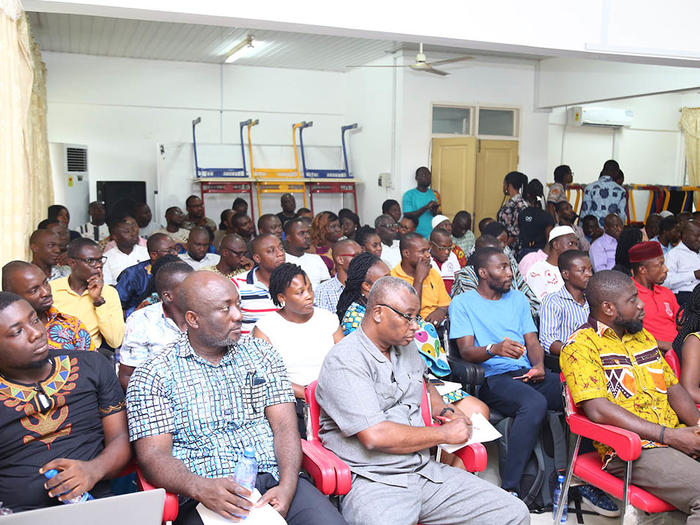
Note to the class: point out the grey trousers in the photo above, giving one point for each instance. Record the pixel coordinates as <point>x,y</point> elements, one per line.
<point>462,498</point>
<point>668,474</point>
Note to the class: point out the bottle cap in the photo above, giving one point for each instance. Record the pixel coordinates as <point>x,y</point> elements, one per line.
<point>50,473</point>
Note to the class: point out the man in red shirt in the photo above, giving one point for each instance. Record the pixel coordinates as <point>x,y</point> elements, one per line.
<point>660,305</point>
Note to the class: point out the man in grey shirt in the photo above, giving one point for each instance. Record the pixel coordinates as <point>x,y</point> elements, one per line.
<point>370,389</point>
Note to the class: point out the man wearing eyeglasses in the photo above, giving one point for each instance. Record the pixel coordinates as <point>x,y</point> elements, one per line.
<point>388,231</point>
<point>233,259</point>
<point>83,294</point>
<point>442,258</point>
<point>370,390</point>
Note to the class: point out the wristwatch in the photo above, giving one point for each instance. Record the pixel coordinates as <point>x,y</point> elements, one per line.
<point>488,350</point>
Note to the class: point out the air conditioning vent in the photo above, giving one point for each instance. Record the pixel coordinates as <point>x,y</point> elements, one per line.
<point>76,160</point>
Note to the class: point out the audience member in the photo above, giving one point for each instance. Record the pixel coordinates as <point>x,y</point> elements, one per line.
<point>563,176</point>
<point>606,196</point>
<point>369,240</point>
<point>371,418</point>
<point>363,272</point>
<point>630,236</point>
<point>197,255</point>
<point>327,294</point>
<point>96,229</point>
<point>151,329</point>
<point>126,252</point>
<point>388,231</point>
<point>174,219</point>
<point>46,249</point>
<point>567,216</point>
<point>687,345</point>
<point>83,294</point>
<point>683,263</point>
<point>565,310</point>
<point>652,226</point>
<point>660,305</point>
<point>172,436</point>
<point>253,285</point>
<point>298,241</point>
<point>288,204</point>
<point>232,260</point>
<point>669,233</point>
<point>422,203</point>
<point>591,228</point>
<point>270,223</point>
<point>684,218</point>
<point>415,268</point>
<point>240,205</point>
<point>298,320</point>
<point>305,213</point>
<point>603,249</point>
<point>513,186</point>
<point>533,222</point>
<point>62,215</point>
<point>195,215</point>
<point>133,281</point>
<point>442,258</point>
<point>616,374</point>
<point>59,229</point>
<point>483,222</point>
<point>61,410</point>
<point>544,277</point>
<point>407,225</point>
<point>392,208</point>
<point>144,220</point>
<point>493,326</point>
<point>325,232</point>
<point>225,227</point>
<point>440,222</point>
<point>29,282</point>
<point>462,234</point>
<point>349,223</point>
<point>531,258</point>
<point>150,296</point>
<point>243,225</point>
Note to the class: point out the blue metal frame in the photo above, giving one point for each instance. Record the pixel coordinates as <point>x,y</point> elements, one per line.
<point>206,173</point>
<point>326,173</point>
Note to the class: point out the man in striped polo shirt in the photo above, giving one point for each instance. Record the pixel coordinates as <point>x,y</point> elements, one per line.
<point>268,254</point>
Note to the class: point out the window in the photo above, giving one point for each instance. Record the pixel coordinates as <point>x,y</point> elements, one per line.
<point>498,122</point>
<point>452,120</point>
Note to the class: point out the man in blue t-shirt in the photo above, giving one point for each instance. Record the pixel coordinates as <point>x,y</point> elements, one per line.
<point>493,326</point>
<point>421,203</point>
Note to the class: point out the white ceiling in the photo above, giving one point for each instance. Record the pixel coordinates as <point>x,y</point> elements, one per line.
<point>93,35</point>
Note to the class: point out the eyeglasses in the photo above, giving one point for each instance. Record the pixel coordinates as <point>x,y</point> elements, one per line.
<point>409,318</point>
<point>393,226</point>
<point>234,252</point>
<point>92,261</point>
<point>169,251</point>
<point>443,248</point>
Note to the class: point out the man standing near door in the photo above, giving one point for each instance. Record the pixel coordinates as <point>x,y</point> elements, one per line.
<point>422,202</point>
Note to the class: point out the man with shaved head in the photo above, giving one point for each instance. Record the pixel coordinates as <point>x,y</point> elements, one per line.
<point>683,263</point>
<point>45,246</point>
<point>30,282</point>
<point>370,390</point>
<point>328,292</point>
<point>270,223</point>
<point>617,376</point>
<point>198,256</point>
<point>233,259</point>
<point>149,330</point>
<point>197,404</point>
<point>602,251</point>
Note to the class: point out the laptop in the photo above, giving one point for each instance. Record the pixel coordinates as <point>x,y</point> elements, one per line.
<point>144,508</point>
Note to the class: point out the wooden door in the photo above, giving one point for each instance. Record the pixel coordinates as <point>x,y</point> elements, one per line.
<point>454,170</point>
<point>494,159</point>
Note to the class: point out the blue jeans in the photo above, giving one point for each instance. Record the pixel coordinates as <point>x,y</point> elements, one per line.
<point>527,404</point>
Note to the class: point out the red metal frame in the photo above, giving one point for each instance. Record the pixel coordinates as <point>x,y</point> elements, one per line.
<point>206,186</point>
<point>321,186</point>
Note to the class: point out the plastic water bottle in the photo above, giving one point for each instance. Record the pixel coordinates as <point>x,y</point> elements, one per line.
<point>557,495</point>
<point>85,496</point>
<point>247,469</point>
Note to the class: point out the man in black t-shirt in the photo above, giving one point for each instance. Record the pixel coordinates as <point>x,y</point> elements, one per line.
<point>59,409</point>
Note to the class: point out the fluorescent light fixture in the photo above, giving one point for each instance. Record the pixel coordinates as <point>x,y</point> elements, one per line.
<point>243,48</point>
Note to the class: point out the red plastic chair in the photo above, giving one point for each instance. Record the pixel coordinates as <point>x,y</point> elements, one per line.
<point>673,361</point>
<point>331,471</point>
<point>171,504</point>
<point>589,466</point>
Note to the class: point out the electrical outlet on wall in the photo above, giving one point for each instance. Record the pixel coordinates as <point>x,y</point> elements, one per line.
<point>384,180</point>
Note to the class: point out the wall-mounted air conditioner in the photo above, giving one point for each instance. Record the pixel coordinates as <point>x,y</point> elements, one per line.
<point>601,117</point>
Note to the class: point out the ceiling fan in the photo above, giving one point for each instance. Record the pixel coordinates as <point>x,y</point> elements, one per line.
<point>422,64</point>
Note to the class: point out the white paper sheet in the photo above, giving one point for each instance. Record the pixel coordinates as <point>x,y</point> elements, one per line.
<point>482,432</point>
<point>259,516</point>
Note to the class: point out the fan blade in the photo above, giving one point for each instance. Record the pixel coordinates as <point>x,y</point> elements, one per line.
<point>435,71</point>
<point>397,65</point>
<point>449,61</point>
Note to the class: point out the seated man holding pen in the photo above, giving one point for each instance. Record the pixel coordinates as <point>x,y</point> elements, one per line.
<point>493,326</point>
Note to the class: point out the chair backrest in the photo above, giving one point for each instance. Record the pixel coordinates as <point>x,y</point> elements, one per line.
<point>673,361</point>
<point>570,407</point>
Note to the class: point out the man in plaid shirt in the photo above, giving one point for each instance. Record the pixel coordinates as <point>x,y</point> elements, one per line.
<point>194,407</point>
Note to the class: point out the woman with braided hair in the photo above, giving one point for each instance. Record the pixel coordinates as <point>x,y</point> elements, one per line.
<point>687,344</point>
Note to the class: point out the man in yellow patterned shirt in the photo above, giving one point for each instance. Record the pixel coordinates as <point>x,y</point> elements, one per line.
<point>617,375</point>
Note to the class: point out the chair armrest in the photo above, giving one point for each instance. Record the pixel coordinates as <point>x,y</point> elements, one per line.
<point>474,457</point>
<point>626,444</point>
<point>320,465</point>
<point>465,372</point>
<point>171,505</point>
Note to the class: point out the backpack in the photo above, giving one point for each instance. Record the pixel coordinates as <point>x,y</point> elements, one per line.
<point>549,459</point>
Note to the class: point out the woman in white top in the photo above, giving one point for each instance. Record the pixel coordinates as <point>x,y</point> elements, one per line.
<point>301,333</point>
